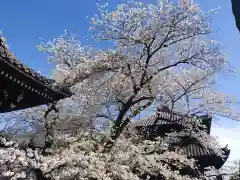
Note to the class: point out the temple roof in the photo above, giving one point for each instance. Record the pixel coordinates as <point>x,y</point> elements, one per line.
<point>192,149</point>
<point>22,87</point>
<point>195,150</point>
<point>206,157</point>
<point>164,118</point>
<point>14,62</point>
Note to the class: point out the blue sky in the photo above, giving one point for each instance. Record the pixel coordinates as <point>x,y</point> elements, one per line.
<point>23,22</point>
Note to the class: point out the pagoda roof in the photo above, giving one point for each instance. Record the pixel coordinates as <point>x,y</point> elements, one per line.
<point>206,157</point>
<point>165,118</point>
<point>19,80</point>
<point>192,149</point>
<point>195,150</point>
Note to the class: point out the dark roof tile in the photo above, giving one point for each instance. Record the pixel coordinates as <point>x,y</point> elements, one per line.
<point>163,118</point>
<point>10,58</point>
<point>195,150</point>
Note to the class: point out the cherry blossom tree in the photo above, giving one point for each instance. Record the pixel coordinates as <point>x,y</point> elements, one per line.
<point>186,3</point>
<point>129,158</point>
<point>161,55</point>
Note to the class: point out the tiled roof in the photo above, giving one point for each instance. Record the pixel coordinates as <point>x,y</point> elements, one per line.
<point>195,150</point>
<point>191,149</point>
<point>12,60</point>
<point>206,157</point>
<point>163,118</point>
<point>22,87</point>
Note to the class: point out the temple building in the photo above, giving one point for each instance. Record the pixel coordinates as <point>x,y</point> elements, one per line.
<point>22,87</point>
<point>163,122</point>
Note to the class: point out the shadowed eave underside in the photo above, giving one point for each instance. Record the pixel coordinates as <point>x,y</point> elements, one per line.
<point>22,87</point>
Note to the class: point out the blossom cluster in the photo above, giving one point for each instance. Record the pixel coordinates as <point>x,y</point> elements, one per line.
<point>130,158</point>
<point>161,51</point>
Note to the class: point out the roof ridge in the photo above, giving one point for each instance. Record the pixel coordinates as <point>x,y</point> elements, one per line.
<point>159,114</point>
